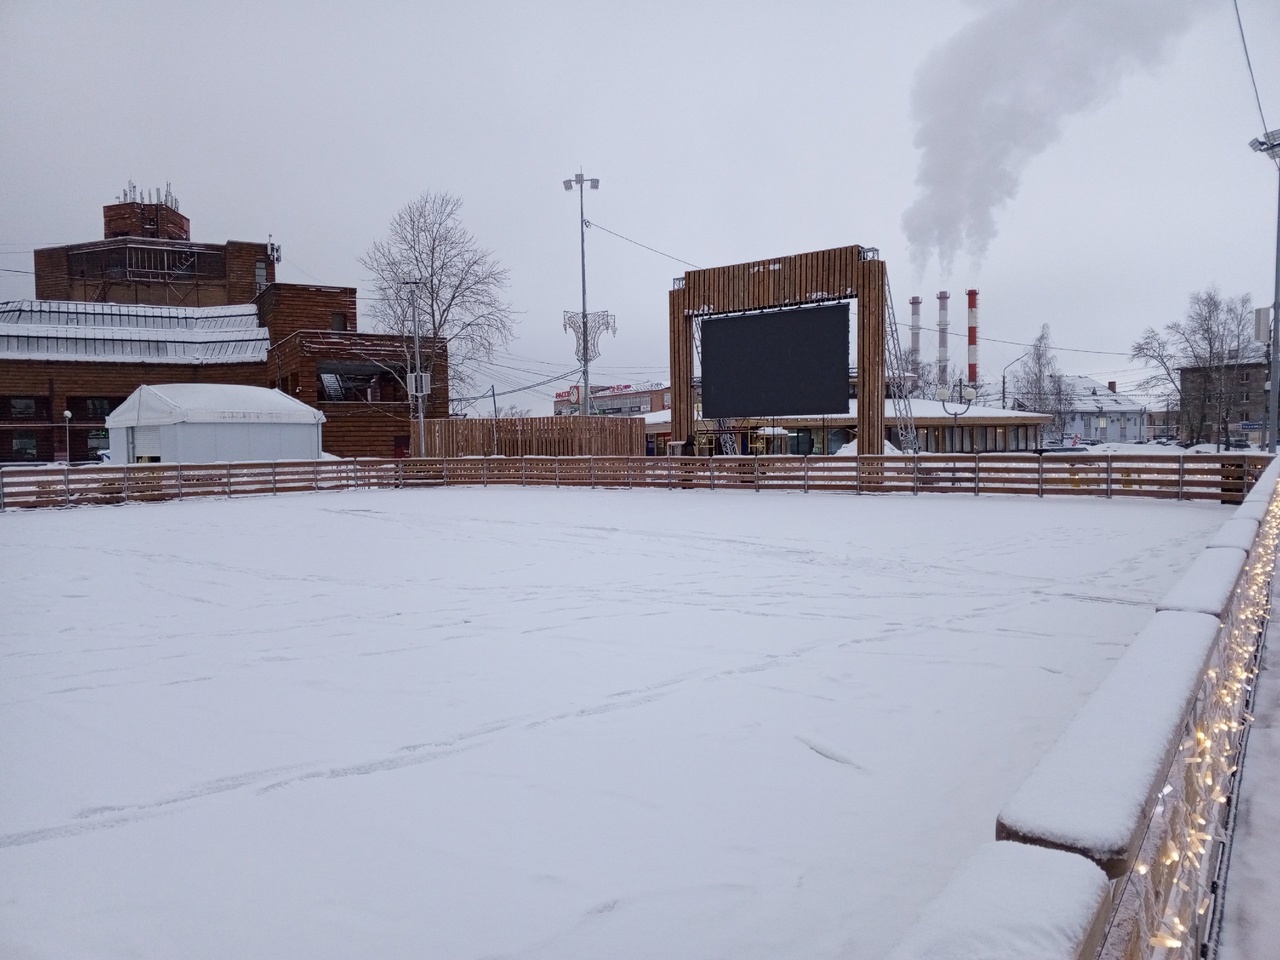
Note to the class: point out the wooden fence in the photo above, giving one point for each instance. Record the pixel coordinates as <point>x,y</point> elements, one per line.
<point>1223,478</point>
<point>535,437</point>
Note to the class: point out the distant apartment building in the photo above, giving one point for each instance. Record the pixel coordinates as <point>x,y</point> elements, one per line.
<point>618,400</point>
<point>1231,397</point>
<point>1100,412</point>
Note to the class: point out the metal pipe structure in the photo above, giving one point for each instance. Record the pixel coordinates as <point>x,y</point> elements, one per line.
<point>915,336</point>
<point>973,337</point>
<point>943,297</point>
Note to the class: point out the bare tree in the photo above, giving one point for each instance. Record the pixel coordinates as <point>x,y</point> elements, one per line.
<point>1039,386</point>
<point>510,410</point>
<point>1193,360</point>
<point>430,271</point>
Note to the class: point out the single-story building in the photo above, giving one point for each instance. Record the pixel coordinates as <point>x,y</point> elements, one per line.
<point>939,428</point>
<point>212,423</point>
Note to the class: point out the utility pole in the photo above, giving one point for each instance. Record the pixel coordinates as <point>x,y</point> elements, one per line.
<point>418,389</point>
<point>582,182</point>
<point>1270,145</point>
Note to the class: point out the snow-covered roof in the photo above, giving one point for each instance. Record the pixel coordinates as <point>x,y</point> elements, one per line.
<point>1090,396</point>
<point>167,403</point>
<point>132,333</point>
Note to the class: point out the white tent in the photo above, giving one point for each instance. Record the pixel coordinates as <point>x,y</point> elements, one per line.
<point>212,422</point>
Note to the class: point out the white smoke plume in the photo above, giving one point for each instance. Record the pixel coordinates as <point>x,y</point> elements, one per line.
<point>995,95</point>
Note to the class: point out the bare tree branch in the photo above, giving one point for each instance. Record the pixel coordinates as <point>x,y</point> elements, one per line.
<point>432,270</point>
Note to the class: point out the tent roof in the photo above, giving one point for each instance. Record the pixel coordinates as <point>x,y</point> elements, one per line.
<point>167,403</point>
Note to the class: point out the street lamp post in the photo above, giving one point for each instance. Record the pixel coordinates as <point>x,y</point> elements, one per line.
<point>1270,145</point>
<point>968,394</point>
<point>1002,378</point>
<point>582,182</point>
<point>66,419</point>
<point>418,388</point>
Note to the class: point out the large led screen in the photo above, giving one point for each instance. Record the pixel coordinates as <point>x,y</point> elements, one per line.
<point>779,363</point>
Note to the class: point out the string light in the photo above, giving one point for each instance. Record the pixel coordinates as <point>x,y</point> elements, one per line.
<point>1169,879</point>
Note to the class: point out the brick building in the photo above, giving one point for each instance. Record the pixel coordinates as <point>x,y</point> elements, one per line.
<point>1233,396</point>
<point>619,400</point>
<point>147,306</point>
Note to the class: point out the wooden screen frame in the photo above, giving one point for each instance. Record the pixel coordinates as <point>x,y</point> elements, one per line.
<point>823,276</point>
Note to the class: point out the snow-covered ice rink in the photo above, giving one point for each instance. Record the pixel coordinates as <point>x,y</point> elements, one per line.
<point>481,723</point>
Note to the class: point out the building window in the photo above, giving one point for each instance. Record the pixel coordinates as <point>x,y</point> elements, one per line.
<point>24,445</point>
<point>338,322</point>
<point>260,275</point>
<point>99,440</point>
<point>24,408</point>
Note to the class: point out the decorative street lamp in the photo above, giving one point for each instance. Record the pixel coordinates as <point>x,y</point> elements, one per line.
<point>968,394</point>
<point>1270,145</point>
<point>66,417</point>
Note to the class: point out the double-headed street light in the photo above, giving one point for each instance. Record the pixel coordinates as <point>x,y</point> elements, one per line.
<point>1270,145</point>
<point>582,182</point>
<point>968,394</point>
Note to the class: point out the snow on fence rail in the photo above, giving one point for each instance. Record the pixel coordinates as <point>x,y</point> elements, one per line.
<point>1138,787</point>
<point>1225,478</point>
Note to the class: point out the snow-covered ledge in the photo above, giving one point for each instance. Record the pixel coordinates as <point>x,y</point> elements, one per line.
<point>1012,902</point>
<point>1137,785</point>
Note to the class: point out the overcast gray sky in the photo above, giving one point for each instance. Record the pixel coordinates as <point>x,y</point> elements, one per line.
<point>1095,153</point>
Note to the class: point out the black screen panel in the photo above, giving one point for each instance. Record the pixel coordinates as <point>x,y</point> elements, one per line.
<point>774,364</point>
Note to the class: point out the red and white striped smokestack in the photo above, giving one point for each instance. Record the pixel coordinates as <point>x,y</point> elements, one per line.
<point>943,297</point>
<point>915,336</point>
<point>973,338</point>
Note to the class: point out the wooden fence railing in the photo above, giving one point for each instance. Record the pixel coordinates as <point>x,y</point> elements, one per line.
<point>1224,478</point>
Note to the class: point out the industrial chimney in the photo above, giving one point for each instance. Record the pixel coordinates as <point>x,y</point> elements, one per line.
<point>915,337</point>
<point>943,297</point>
<point>973,338</point>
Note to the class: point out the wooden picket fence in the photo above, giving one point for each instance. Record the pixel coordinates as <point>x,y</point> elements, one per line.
<point>1224,478</point>
<point>533,436</point>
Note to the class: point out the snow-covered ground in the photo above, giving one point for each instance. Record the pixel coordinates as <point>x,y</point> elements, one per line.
<point>537,723</point>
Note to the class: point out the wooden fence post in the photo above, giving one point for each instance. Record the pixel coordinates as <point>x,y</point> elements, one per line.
<point>976,468</point>
<point>273,476</point>
<point>1,491</point>
<point>124,487</point>
<point>806,474</point>
<point>557,473</point>
<point>228,479</point>
<point>444,472</point>
<point>1040,477</point>
<point>668,472</point>
<point>1182,465</point>
<point>1108,476</point>
<point>524,467</point>
<point>915,476</point>
<point>484,471</point>
<point>179,481</point>
<point>757,464</point>
<point>315,474</point>
<point>591,469</point>
<point>857,473</point>
<point>712,476</point>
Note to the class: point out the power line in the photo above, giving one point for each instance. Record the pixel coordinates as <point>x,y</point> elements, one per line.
<point>1015,343</point>
<point>1252,79</point>
<point>30,273</point>
<point>639,244</point>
